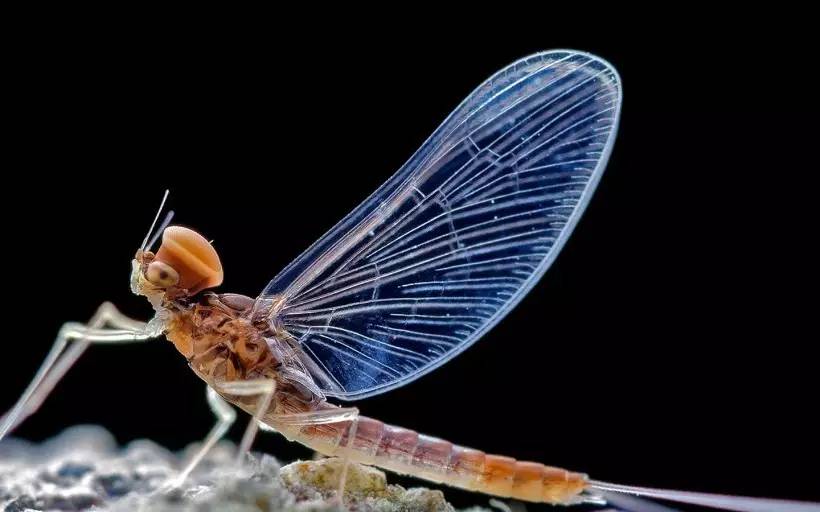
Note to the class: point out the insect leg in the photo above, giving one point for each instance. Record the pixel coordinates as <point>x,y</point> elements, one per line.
<point>323,417</point>
<point>351,435</point>
<point>265,389</point>
<point>225,416</point>
<point>107,326</point>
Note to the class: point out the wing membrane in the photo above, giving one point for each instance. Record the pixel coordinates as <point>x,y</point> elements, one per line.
<point>440,253</point>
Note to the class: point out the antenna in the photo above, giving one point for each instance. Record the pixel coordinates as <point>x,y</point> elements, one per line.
<point>160,229</point>
<point>154,223</point>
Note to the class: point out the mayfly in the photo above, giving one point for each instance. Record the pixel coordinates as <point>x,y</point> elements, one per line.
<point>408,280</point>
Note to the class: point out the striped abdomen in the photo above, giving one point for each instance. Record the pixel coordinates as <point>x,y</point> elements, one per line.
<point>407,452</point>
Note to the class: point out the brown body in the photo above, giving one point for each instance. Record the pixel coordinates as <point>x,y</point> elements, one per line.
<point>224,341</point>
<point>217,338</point>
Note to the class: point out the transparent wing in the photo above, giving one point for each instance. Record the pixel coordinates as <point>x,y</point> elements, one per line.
<point>443,250</point>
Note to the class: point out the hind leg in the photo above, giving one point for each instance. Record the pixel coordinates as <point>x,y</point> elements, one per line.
<point>107,326</point>
<point>351,435</point>
<point>266,389</point>
<point>324,417</point>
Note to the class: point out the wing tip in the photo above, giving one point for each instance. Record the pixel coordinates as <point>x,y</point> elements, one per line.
<point>602,63</point>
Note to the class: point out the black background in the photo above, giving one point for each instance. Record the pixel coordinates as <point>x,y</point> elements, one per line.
<point>671,343</point>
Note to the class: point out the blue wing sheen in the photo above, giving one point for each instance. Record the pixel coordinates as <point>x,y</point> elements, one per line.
<point>447,246</point>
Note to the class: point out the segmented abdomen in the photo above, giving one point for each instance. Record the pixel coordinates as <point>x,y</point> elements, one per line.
<point>407,452</point>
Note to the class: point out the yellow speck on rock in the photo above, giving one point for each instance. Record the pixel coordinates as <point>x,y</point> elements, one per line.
<point>364,485</point>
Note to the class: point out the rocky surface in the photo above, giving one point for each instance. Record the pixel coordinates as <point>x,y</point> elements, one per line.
<point>84,469</point>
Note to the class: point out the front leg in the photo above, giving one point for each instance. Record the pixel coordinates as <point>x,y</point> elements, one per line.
<point>107,326</point>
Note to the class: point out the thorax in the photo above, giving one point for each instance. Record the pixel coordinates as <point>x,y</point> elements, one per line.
<point>217,336</point>
<point>223,340</point>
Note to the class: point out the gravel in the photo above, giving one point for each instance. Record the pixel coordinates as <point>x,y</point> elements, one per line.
<point>83,468</point>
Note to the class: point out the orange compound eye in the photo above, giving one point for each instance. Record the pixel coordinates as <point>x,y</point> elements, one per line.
<point>191,256</point>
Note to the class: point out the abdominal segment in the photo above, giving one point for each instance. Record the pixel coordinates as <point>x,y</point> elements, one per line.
<point>407,452</point>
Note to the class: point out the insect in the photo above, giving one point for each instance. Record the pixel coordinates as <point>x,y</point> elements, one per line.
<point>408,280</point>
